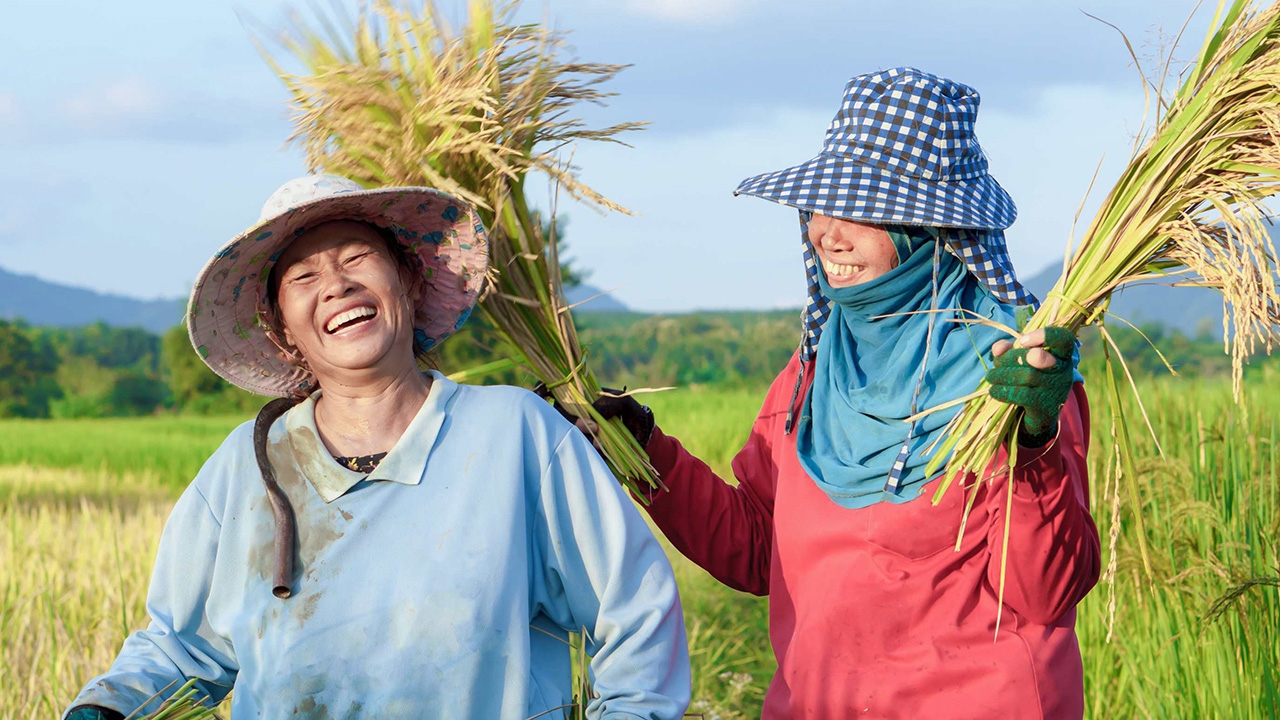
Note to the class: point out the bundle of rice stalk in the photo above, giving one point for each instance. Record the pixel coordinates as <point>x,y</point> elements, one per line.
<point>185,704</point>
<point>1188,206</point>
<point>402,98</point>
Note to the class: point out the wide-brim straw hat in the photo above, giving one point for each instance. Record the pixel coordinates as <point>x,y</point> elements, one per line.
<point>227,313</point>
<point>902,150</point>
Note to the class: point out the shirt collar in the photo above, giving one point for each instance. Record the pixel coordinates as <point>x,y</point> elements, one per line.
<point>405,463</point>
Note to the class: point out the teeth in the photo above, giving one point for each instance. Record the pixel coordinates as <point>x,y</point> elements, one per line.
<point>839,270</point>
<point>346,317</point>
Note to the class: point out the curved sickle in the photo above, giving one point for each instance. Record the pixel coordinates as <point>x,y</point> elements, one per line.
<point>286,530</point>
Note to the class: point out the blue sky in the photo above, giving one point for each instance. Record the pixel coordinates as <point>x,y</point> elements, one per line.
<point>138,136</point>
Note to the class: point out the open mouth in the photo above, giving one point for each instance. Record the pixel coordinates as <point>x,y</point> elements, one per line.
<point>350,319</point>
<point>838,271</point>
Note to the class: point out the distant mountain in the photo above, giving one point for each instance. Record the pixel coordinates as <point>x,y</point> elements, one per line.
<point>40,302</point>
<point>1183,308</point>
<point>593,299</point>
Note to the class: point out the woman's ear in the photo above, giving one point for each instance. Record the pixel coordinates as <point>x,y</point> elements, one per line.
<point>414,285</point>
<point>276,319</point>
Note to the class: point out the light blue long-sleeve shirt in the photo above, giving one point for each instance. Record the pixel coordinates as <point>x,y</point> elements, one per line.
<point>440,586</point>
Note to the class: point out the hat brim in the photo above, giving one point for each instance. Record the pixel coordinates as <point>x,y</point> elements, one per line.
<point>840,187</point>
<point>224,316</point>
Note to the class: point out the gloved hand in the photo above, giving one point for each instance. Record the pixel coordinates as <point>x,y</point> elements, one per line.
<point>93,712</point>
<point>1036,377</point>
<point>637,418</point>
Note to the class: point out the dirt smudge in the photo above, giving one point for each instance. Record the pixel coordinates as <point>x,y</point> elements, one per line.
<point>307,607</point>
<point>310,710</point>
<point>318,525</point>
<point>309,687</point>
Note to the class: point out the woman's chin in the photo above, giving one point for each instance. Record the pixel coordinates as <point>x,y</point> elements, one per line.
<point>363,359</point>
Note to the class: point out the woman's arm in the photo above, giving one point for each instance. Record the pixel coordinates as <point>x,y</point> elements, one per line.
<point>599,569</point>
<point>178,644</point>
<point>727,530</point>
<point>1054,551</point>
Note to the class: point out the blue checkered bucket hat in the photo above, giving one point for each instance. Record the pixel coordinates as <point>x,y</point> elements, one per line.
<point>902,151</point>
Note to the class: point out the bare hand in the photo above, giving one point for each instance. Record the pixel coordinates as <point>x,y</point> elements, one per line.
<point>637,418</point>
<point>588,428</point>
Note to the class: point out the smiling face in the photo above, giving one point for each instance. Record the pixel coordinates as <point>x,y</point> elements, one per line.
<point>344,302</point>
<point>851,252</point>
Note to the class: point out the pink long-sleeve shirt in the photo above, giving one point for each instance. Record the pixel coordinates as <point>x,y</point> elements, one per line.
<point>873,612</point>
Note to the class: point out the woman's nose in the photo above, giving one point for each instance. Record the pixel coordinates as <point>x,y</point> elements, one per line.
<point>837,239</point>
<point>338,284</point>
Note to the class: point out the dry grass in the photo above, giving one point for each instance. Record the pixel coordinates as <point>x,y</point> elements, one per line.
<point>75,562</point>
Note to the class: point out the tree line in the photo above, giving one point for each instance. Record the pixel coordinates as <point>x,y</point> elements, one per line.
<point>99,370</point>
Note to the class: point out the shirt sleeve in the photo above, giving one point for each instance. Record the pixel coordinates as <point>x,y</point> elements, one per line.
<point>178,644</point>
<point>604,574</point>
<point>1054,551</point>
<point>726,529</point>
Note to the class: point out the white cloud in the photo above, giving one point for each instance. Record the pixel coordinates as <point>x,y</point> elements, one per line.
<point>104,107</point>
<point>701,11</point>
<point>136,108</point>
<point>691,245</point>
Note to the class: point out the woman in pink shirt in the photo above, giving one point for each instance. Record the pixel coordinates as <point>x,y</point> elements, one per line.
<point>874,611</point>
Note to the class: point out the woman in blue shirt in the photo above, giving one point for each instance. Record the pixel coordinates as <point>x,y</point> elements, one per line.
<point>393,545</point>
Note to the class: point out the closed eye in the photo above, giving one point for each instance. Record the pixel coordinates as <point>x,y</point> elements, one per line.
<point>356,257</point>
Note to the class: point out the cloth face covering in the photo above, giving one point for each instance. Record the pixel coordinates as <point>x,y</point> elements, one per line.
<point>869,362</point>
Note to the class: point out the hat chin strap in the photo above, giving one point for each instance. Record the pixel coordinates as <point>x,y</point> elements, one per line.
<point>286,531</point>
<point>892,484</point>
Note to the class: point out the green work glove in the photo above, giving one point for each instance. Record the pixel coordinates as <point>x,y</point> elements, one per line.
<point>1040,393</point>
<point>93,712</point>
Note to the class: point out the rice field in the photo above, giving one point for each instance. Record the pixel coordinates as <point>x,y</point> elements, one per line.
<point>83,503</point>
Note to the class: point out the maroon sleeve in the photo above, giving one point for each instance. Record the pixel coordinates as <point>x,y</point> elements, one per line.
<point>725,529</point>
<point>1054,552</point>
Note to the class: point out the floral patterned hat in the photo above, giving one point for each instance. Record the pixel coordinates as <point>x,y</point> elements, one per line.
<point>226,316</point>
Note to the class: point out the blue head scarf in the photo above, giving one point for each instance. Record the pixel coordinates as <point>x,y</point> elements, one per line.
<point>872,357</point>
